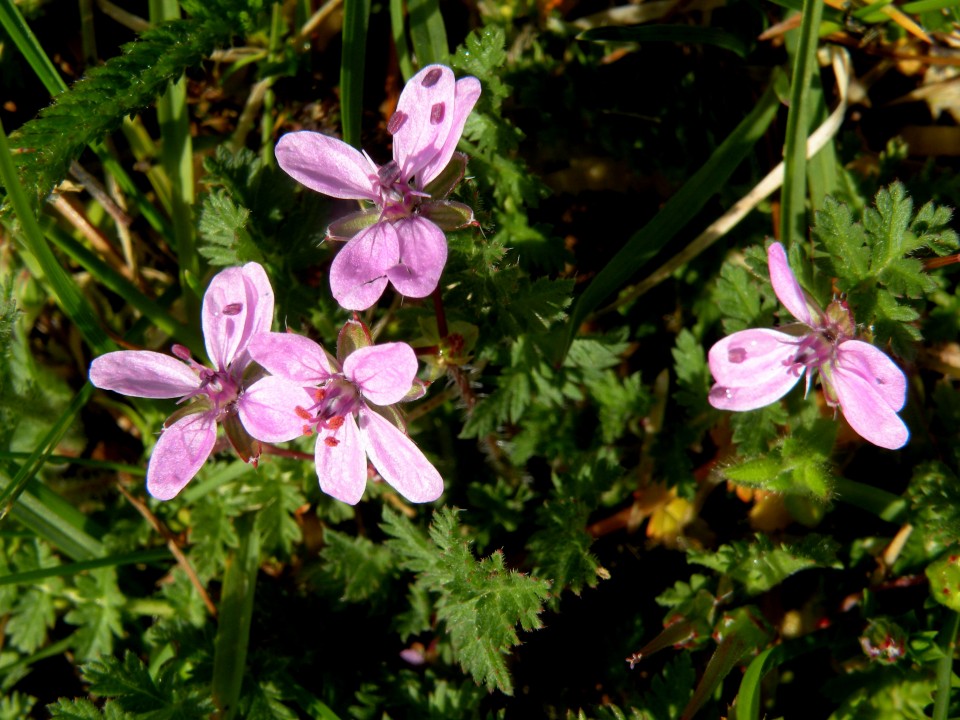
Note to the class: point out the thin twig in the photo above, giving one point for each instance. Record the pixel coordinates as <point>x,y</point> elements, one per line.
<point>182,561</point>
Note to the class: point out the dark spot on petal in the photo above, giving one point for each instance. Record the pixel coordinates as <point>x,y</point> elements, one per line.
<point>718,392</point>
<point>331,441</point>
<point>233,309</point>
<point>396,122</point>
<point>880,381</point>
<point>431,78</point>
<point>436,113</point>
<point>737,355</point>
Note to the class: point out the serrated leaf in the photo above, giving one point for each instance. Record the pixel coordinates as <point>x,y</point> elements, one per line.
<point>480,602</point>
<point>762,565</point>
<point>278,500</point>
<point>359,565</point>
<point>97,613</point>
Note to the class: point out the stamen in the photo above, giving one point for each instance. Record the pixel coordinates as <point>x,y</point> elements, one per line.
<point>181,352</point>
<point>336,422</point>
<point>303,413</point>
<point>389,173</point>
<point>331,441</point>
<point>318,394</point>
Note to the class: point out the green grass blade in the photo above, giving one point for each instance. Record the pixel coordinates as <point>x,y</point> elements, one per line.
<point>948,643</point>
<point>32,576</point>
<point>356,19</point>
<point>82,462</point>
<point>26,42</point>
<point>116,282</point>
<point>427,32</point>
<point>71,541</point>
<point>39,456</point>
<point>655,235</point>
<point>236,611</point>
<point>64,289</point>
<point>176,157</point>
<point>400,39</point>
<point>793,217</point>
<point>881,503</point>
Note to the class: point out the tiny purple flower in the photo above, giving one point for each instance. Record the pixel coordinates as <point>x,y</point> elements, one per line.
<point>753,368</point>
<point>344,408</point>
<point>403,245</point>
<point>237,305</point>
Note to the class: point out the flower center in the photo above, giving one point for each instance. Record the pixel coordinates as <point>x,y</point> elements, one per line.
<point>220,386</point>
<point>334,400</point>
<point>813,351</point>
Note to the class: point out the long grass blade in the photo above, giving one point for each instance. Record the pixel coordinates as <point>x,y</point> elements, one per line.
<point>948,639</point>
<point>64,289</point>
<point>236,611</point>
<point>793,217</point>
<point>356,19</point>
<point>72,541</point>
<point>404,60</point>
<point>427,32</point>
<point>22,36</point>
<point>32,576</point>
<point>678,211</point>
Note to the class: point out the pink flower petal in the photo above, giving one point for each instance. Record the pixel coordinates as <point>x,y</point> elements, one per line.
<point>398,460</point>
<point>358,274</point>
<point>867,410</point>
<point>752,369</point>
<point>466,94</point>
<point>423,253</point>
<point>384,373</point>
<point>341,462</point>
<point>142,373</point>
<point>226,306</point>
<point>290,356</point>
<point>421,125</point>
<point>878,370</point>
<point>327,165</point>
<point>267,409</point>
<point>260,297</point>
<point>180,453</point>
<point>785,284</point>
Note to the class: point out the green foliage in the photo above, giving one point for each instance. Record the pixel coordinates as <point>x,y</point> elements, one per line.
<point>276,500</point>
<point>132,687</point>
<point>797,465</point>
<point>97,613</point>
<point>98,103</point>
<point>360,567</point>
<point>480,602</point>
<point>761,565</point>
<point>876,259</point>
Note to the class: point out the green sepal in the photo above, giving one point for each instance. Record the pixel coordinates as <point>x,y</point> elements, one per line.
<point>353,336</point>
<point>245,446</point>
<point>448,215</point>
<point>200,404</point>
<point>349,225</point>
<point>417,391</point>
<point>444,183</point>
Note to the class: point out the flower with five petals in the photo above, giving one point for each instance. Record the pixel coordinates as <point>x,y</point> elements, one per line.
<point>402,239</point>
<point>753,368</point>
<point>347,403</point>
<point>237,305</point>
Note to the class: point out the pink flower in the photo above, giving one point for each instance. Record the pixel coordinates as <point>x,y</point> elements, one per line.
<point>754,368</point>
<point>345,412</point>
<point>404,244</point>
<point>238,304</point>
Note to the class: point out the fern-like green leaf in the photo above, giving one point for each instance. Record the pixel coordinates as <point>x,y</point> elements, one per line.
<point>480,601</point>
<point>97,104</point>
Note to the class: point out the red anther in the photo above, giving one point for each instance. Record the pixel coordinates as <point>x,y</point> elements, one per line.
<point>318,394</point>
<point>336,422</point>
<point>303,413</point>
<point>331,441</point>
